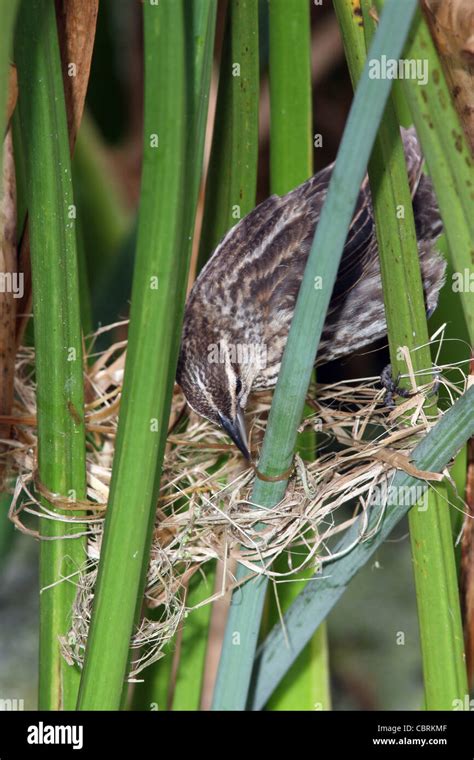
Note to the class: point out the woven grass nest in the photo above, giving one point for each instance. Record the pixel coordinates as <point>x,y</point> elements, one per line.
<point>204,512</point>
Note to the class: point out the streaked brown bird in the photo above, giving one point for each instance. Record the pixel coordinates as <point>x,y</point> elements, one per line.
<point>240,308</point>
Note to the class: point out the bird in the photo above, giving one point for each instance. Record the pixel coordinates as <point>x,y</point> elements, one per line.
<point>239,310</point>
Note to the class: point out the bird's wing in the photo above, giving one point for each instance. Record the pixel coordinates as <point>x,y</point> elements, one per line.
<point>293,244</point>
<point>301,208</point>
<point>261,260</point>
<point>360,247</point>
<point>243,244</point>
<point>413,158</point>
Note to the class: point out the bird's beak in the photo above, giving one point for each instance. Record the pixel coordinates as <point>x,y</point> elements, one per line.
<point>236,430</point>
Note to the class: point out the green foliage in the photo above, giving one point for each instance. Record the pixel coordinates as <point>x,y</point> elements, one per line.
<point>232,176</point>
<point>76,262</point>
<point>291,163</point>
<point>447,154</point>
<point>59,360</point>
<point>157,299</point>
<point>163,251</point>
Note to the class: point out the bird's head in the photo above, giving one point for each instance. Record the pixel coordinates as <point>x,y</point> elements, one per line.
<point>216,384</point>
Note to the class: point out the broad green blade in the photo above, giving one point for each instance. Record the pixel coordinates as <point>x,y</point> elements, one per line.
<point>187,691</point>
<point>291,163</point>
<point>158,294</point>
<point>59,360</point>
<point>232,176</point>
<point>200,21</point>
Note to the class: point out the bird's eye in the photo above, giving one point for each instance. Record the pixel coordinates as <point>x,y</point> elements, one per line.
<point>238,386</point>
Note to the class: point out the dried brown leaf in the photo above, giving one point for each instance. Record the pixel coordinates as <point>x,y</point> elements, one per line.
<point>76,28</point>
<point>76,21</point>
<point>12,92</point>
<point>452,26</point>
<point>8,269</point>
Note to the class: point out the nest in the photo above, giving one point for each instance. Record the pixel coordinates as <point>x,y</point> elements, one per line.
<point>204,512</point>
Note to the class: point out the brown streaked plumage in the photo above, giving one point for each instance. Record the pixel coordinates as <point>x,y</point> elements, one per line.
<point>239,310</point>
